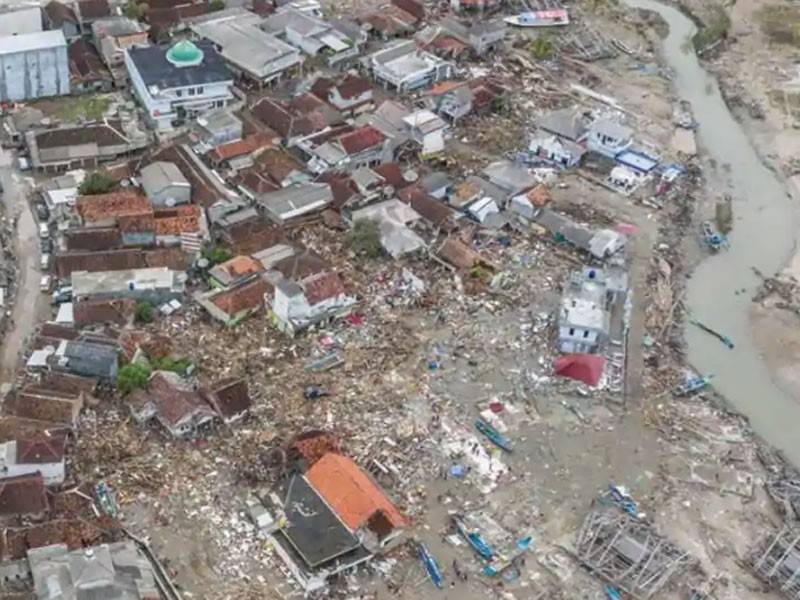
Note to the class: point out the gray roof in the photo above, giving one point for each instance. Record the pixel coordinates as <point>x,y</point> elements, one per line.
<point>115,26</point>
<point>611,129</point>
<point>314,530</point>
<point>159,175</point>
<point>28,42</point>
<point>296,200</point>
<point>510,176</point>
<point>100,353</point>
<point>566,123</point>
<point>289,17</point>
<point>155,69</point>
<point>435,181</point>
<point>488,188</point>
<point>556,223</point>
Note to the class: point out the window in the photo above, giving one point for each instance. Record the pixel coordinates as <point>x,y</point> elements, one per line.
<point>191,91</point>
<point>200,90</point>
<point>220,103</point>
<point>586,333</point>
<point>179,93</point>
<point>572,331</point>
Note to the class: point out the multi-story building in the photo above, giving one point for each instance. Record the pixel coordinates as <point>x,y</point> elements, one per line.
<point>178,83</point>
<point>33,65</point>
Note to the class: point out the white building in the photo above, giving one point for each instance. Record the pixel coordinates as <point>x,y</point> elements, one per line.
<point>404,67</point>
<point>39,453</point>
<point>165,185</point>
<point>584,318</point>
<point>33,65</point>
<point>179,83</point>
<point>428,130</point>
<point>298,305</point>
<point>16,21</point>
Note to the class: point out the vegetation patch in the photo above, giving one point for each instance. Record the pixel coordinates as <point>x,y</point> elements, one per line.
<point>716,30</point>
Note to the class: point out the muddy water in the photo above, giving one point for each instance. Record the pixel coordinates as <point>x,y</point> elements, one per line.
<point>764,237</point>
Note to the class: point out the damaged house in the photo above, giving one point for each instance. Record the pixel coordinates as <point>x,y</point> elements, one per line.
<point>403,67</point>
<point>336,517</point>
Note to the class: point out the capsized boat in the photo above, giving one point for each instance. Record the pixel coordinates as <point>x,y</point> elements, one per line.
<point>494,436</point>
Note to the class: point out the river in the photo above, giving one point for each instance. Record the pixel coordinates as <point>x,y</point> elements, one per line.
<point>765,229</point>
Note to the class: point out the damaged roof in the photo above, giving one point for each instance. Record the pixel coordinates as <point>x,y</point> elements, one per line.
<point>229,397</point>
<point>23,495</point>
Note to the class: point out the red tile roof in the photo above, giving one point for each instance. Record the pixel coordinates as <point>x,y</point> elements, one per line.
<point>40,448</point>
<point>58,13</point>
<point>119,311</point>
<point>432,210</point>
<point>310,446</point>
<point>323,286</point>
<point>239,266</point>
<point>392,173</point>
<point>93,9</point>
<point>175,221</point>
<point>350,492</point>
<point>172,402</point>
<point>361,139</point>
<point>248,145</point>
<point>113,205</point>
<point>23,495</point>
<point>248,296</point>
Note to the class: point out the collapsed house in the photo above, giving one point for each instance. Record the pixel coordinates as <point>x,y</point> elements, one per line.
<point>332,518</point>
<point>626,552</point>
<point>779,563</point>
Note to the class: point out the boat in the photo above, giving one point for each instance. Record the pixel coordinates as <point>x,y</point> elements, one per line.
<point>430,565</point>
<point>713,238</point>
<point>494,436</point>
<point>691,384</point>
<point>539,18</point>
<point>721,337</point>
<point>501,563</point>
<point>474,539</point>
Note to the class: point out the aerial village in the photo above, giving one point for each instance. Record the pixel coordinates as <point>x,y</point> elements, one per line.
<point>367,300</point>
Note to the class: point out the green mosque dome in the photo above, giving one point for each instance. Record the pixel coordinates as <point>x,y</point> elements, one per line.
<point>185,54</point>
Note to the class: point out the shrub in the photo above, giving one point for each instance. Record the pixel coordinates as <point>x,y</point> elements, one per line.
<point>144,312</point>
<point>97,182</point>
<point>215,5</point>
<point>216,254</point>
<point>131,377</point>
<point>179,365</point>
<point>714,31</point>
<point>365,238</point>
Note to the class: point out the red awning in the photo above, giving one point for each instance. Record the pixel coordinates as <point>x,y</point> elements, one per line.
<point>587,368</point>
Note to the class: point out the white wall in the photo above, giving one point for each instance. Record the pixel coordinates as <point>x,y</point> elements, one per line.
<point>34,74</point>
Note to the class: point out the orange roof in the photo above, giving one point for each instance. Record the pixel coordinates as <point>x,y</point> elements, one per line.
<point>443,87</point>
<point>241,147</point>
<point>350,492</point>
<point>113,205</point>
<point>181,219</point>
<point>241,265</point>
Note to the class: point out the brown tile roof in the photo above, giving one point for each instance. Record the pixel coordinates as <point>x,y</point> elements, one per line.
<point>274,115</point>
<point>350,492</point>
<point>153,345</point>
<point>458,254</point>
<point>113,205</point>
<point>229,397</point>
<point>322,286</point>
<point>118,260</point>
<point>173,402</point>
<point>432,210</point>
<point>392,173</point>
<point>40,448</point>
<point>93,9</point>
<point>23,495</point>
<point>248,296</point>
<point>277,164</point>
<point>175,221</point>
<point>310,446</point>
<point>539,195</point>
<point>353,86</point>
<point>85,64</point>
<point>11,427</point>
<point>342,188</point>
<point>54,330</point>
<point>361,139</point>
<point>92,238</point>
<point>412,7</point>
<point>119,311</point>
<point>57,13</point>
<point>252,236</point>
<point>302,265</point>
<point>248,145</point>
<point>239,266</point>
<point>75,533</point>
<point>256,182</point>
<point>66,382</point>
<point>306,103</point>
<point>105,134</point>
<point>321,87</point>
<point>44,408</point>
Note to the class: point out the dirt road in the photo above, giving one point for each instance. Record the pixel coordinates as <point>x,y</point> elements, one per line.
<point>30,304</point>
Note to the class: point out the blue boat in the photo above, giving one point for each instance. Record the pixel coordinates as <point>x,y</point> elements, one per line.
<point>494,436</point>
<point>430,565</point>
<point>474,539</point>
<point>501,563</point>
<point>612,593</point>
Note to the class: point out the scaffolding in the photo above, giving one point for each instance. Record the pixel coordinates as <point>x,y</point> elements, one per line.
<point>779,564</point>
<point>626,552</point>
<point>786,494</point>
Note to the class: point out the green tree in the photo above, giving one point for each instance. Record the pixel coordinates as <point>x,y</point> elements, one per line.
<point>144,312</point>
<point>97,182</point>
<point>542,48</point>
<point>365,238</point>
<point>135,10</point>
<point>215,5</point>
<point>131,377</point>
<point>216,254</point>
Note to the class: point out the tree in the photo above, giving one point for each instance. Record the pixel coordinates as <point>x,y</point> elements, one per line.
<point>180,366</point>
<point>215,5</point>
<point>131,377</point>
<point>365,238</point>
<point>144,312</point>
<point>216,254</point>
<point>135,11</point>
<point>542,48</point>
<point>97,182</point>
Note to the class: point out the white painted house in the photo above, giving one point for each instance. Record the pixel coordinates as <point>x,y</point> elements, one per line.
<point>179,83</point>
<point>428,130</point>
<point>40,453</point>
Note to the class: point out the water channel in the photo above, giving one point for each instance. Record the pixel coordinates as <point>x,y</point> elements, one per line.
<point>764,235</point>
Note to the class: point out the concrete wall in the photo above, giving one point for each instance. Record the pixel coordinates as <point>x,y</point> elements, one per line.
<point>34,74</point>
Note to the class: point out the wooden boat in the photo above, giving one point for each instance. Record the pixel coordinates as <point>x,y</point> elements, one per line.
<point>474,539</point>
<point>494,436</point>
<point>713,238</point>
<point>430,565</point>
